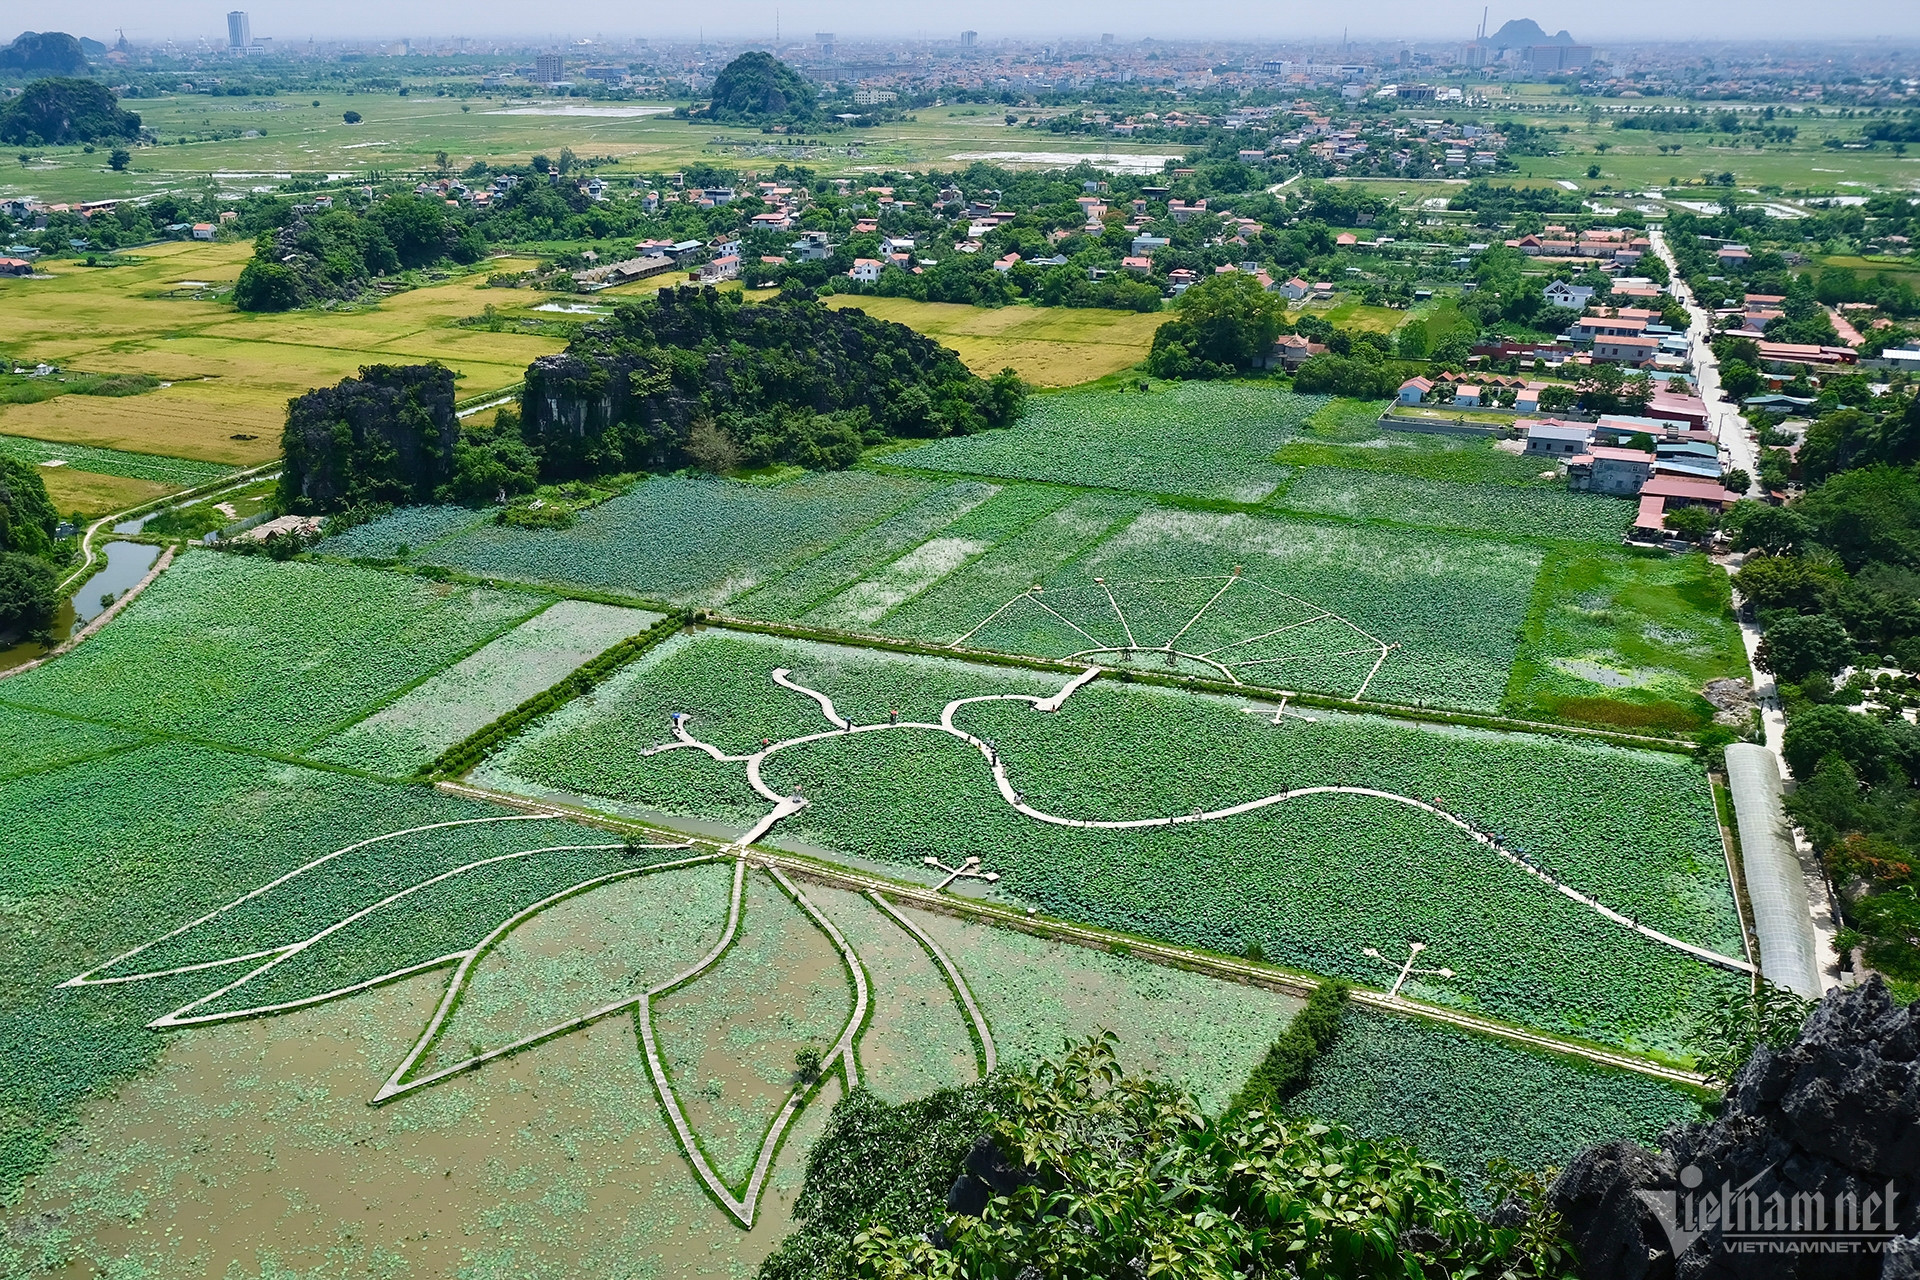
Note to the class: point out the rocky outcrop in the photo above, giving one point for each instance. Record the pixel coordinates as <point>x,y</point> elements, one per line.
<point>1811,1172</point>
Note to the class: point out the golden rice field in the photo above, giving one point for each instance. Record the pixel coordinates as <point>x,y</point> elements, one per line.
<point>232,372</point>
<point>96,495</point>
<point>1048,346</point>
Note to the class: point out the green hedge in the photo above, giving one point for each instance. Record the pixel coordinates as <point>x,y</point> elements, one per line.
<point>478,745</point>
<point>1288,1065</point>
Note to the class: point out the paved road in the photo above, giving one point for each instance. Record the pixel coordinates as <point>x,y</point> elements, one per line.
<point>1734,435</point>
<point>1743,451</point>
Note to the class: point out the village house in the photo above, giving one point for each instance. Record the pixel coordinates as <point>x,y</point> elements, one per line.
<point>1557,439</point>
<point>1413,390</point>
<point>1609,469</point>
<point>865,270</point>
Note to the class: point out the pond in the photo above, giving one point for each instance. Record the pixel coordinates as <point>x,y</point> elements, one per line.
<point>127,563</point>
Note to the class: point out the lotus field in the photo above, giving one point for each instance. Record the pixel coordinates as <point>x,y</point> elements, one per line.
<point>1313,881</point>
<point>1464,1099</point>
<point>1192,439</point>
<point>245,651</point>
<point>402,736</point>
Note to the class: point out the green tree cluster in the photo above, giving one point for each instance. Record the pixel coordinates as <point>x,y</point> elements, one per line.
<point>1834,578</point>
<point>1226,325</point>
<point>29,587</point>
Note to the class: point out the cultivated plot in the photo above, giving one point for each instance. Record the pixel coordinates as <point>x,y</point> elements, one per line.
<point>1571,903</point>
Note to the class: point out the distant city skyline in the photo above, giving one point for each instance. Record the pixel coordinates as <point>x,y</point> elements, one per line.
<point>1626,22</point>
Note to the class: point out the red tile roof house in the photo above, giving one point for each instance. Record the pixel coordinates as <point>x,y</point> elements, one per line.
<point>1774,354</point>
<point>1413,390</point>
<point>1467,396</point>
<point>1290,351</point>
<point>1669,407</point>
<point>1662,494</point>
<point>1140,266</point>
<point>865,270</point>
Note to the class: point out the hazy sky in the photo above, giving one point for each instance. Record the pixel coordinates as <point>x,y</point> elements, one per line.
<point>1616,22</point>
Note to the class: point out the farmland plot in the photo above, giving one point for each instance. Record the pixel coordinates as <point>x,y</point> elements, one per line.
<point>1195,439</point>
<point>1465,1099</point>
<point>109,852</point>
<point>1626,640</point>
<point>1514,511</point>
<point>433,716</point>
<point>1314,880</point>
<point>243,650</point>
<point>686,541</point>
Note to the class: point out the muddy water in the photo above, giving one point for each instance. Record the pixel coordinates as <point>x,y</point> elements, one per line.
<point>729,1037</point>
<point>251,1150</point>
<point>918,1039</point>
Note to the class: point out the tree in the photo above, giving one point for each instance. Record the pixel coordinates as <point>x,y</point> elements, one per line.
<point>1736,481</point>
<point>1761,526</point>
<point>1742,1020</point>
<point>1869,514</point>
<point>351,117</point>
<point>1801,644</point>
<point>1225,325</point>
<point>1077,1142</point>
<point>440,161</point>
<point>27,518</point>
<point>118,159</point>
<point>1859,742</point>
<point>29,595</point>
<point>1691,523</point>
<point>1740,380</point>
<point>266,286</point>
<point>415,226</point>
<point>1780,582</point>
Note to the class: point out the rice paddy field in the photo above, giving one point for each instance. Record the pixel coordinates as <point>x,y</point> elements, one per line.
<point>236,928</point>
<point>1047,346</point>
<point>230,373</point>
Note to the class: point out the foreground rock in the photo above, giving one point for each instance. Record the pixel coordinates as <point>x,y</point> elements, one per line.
<point>1812,1170</point>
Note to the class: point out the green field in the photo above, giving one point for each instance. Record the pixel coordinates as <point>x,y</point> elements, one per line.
<point>1322,885</point>
<point>267,656</point>
<point>1198,439</point>
<point>403,134</point>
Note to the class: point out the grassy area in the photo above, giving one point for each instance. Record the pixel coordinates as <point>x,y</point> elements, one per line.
<point>1048,346</point>
<point>95,495</point>
<point>1351,314</point>
<point>403,134</point>
<point>1621,639</point>
<point>1465,459</point>
<point>231,373</point>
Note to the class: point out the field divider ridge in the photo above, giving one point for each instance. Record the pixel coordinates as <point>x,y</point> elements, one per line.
<point>1206,963</point>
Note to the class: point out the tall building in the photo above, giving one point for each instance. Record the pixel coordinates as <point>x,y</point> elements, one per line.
<point>967,39</point>
<point>548,68</point>
<point>239,32</point>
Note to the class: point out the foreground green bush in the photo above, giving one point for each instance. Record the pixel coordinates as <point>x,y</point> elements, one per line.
<point>1121,1176</point>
